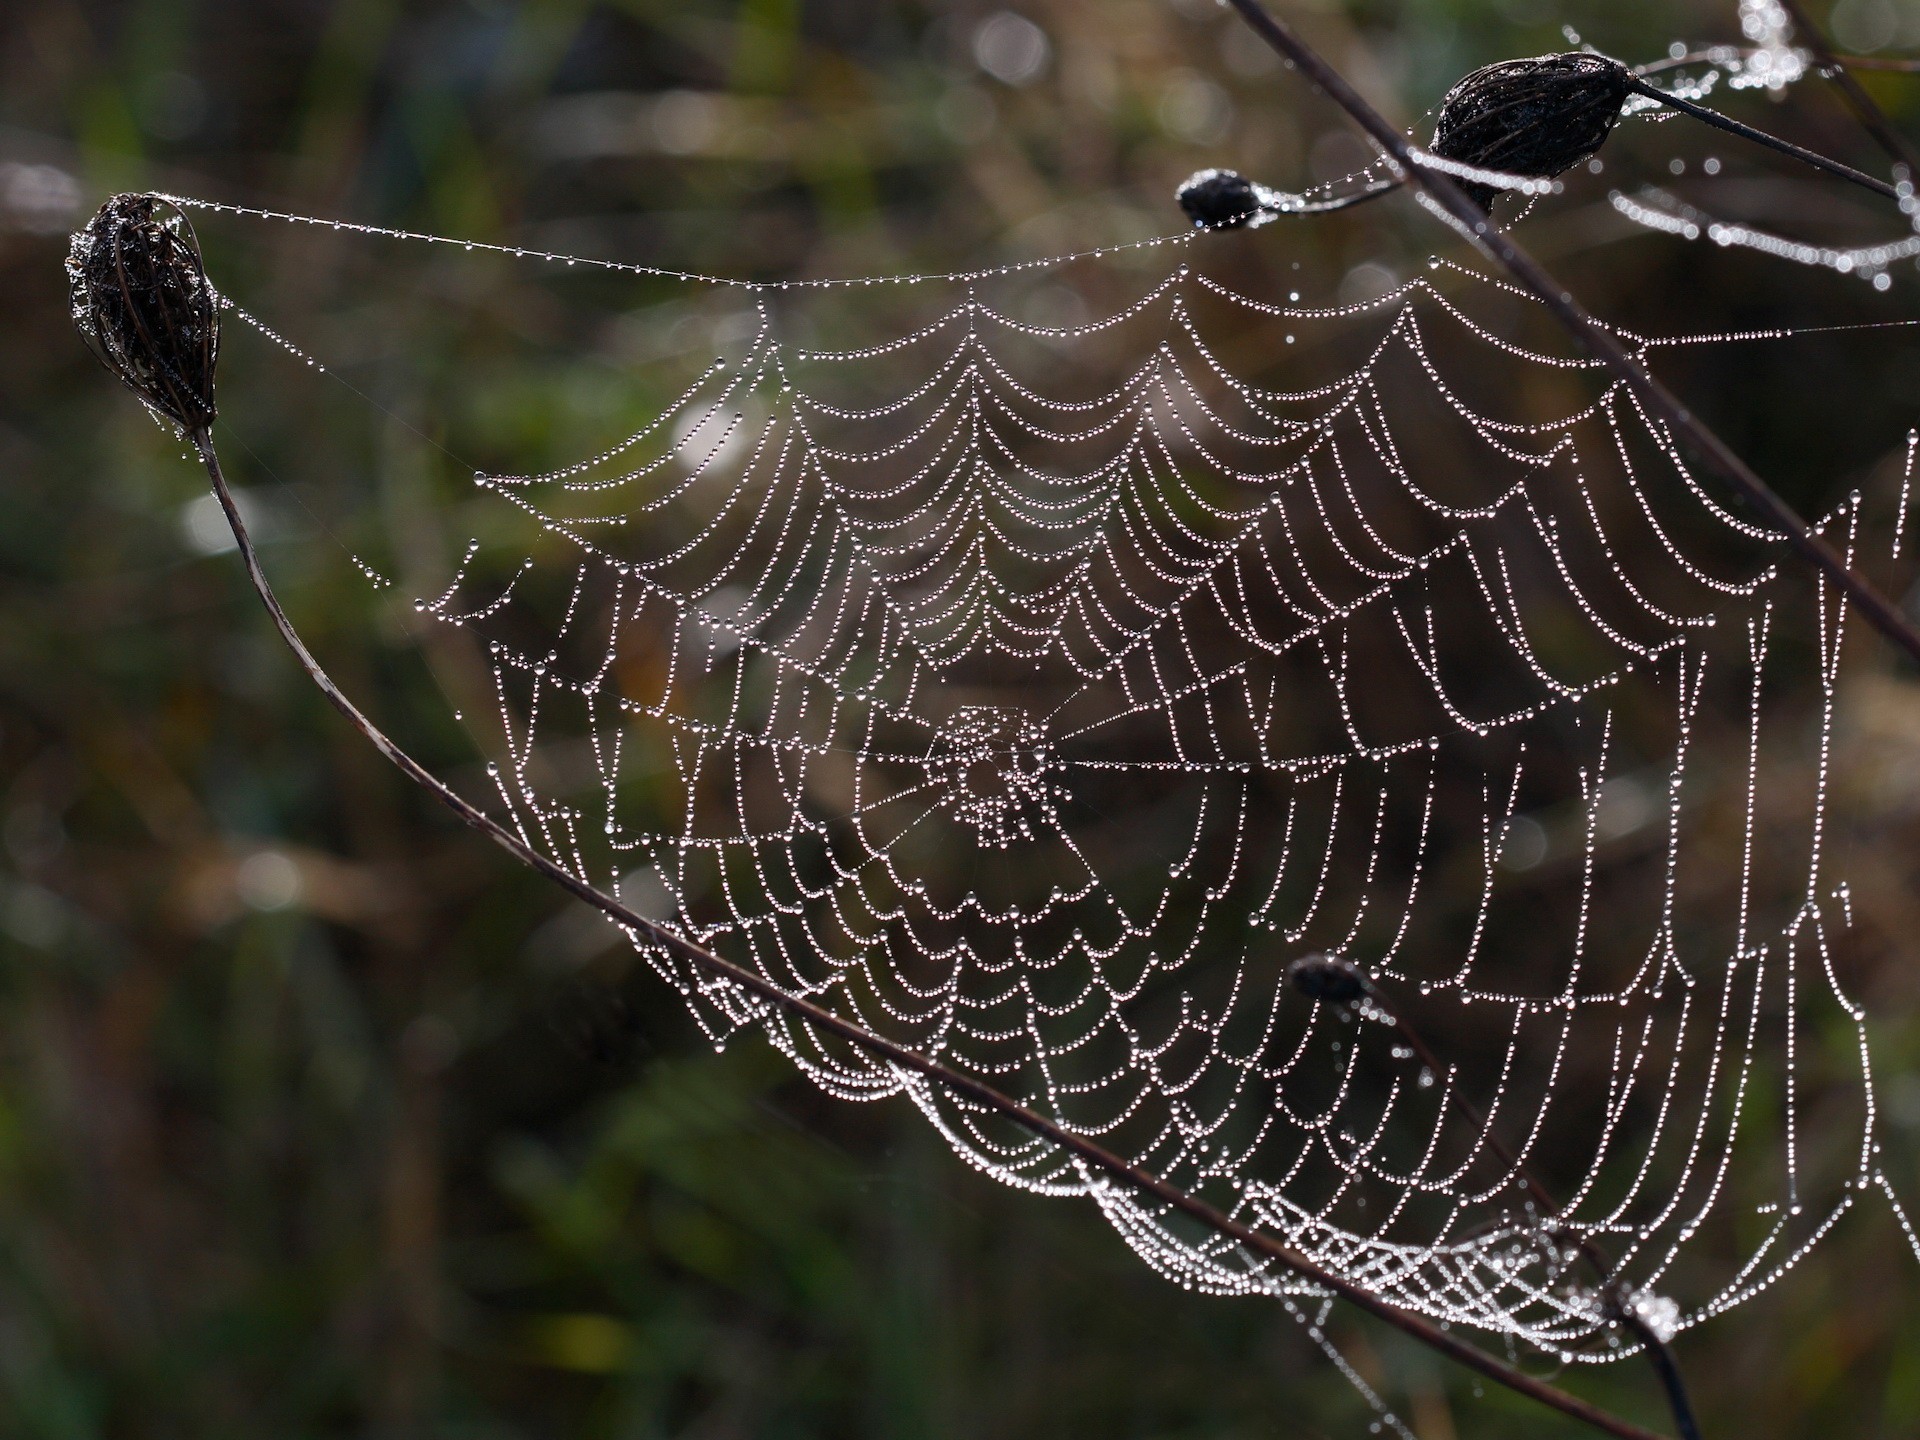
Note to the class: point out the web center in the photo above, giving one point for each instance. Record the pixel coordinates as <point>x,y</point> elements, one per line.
<point>989,767</point>
<point>986,780</point>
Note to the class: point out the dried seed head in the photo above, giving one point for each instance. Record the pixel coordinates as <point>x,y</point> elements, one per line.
<point>1327,977</point>
<point>143,304</point>
<point>1219,199</point>
<point>1534,117</point>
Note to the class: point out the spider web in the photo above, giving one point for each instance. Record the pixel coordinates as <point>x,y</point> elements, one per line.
<point>1033,690</point>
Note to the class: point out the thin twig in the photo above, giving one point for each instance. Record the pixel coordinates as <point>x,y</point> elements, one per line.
<point>1471,1112</point>
<point>1619,1302</point>
<point>1898,64</point>
<point>1338,202</point>
<point>1761,137</point>
<point>1714,55</point>
<point>1472,221</point>
<point>1093,1157</point>
<point>1900,149</point>
<point>1660,1356</point>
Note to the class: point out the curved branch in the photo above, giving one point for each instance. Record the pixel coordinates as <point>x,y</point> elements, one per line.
<point>1093,1157</point>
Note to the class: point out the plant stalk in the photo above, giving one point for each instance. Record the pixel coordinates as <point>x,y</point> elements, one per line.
<point>1599,342</point>
<point>1658,1352</point>
<point>1093,1157</point>
<point>1899,149</point>
<point>1707,57</point>
<point>1761,137</point>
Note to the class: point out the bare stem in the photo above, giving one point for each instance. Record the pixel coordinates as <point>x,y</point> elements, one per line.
<point>1761,137</point>
<point>1339,202</point>
<point>1093,1158</point>
<point>1600,342</point>
<point>1620,1305</point>
<point>1660,1356</point>
<point>1898,64</point>
<point>1709,57</point>
<point>1900,149</point>
<point>1480,1122</point>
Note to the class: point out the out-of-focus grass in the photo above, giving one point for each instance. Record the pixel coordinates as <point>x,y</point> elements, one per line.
<point>303,1130</point>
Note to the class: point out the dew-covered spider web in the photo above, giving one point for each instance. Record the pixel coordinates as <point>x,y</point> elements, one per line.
<point>1031,665</point>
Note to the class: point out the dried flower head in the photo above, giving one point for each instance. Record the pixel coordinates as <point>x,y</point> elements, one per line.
<point>142,302</point>
<point>1327,977</point>
<point>1219,199</point>
<point>1534,117</point>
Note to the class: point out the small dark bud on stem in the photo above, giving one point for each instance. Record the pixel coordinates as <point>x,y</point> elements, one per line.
<point>1327,978</point>
<point>1534,117</point>
<point>142,302</point>
<point>1219,199</point>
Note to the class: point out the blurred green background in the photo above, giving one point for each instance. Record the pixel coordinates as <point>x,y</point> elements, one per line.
<point>303,1129</point>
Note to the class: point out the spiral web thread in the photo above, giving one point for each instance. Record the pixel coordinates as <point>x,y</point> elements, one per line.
<point>1033,693</point>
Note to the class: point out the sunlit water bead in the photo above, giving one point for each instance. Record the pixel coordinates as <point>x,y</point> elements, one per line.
<point>1906,492</point>
<point>380,582</point>
<point>1776,63</point>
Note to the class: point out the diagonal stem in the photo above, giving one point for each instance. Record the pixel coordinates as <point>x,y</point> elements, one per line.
<point>1712,56</point>
<point>1458,206</point>
<point>1899,149</point>
<point>1092,1157</point>
<point>1455,204</point>
<point>1619,1303</point>
<point>1895,64</point>
<point>1761,137</point>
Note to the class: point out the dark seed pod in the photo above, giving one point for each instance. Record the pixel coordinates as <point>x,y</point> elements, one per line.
<point>1534,117</point>
<point>1219,199</point>
<point>1327,978</point>
<point>142,302</point>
